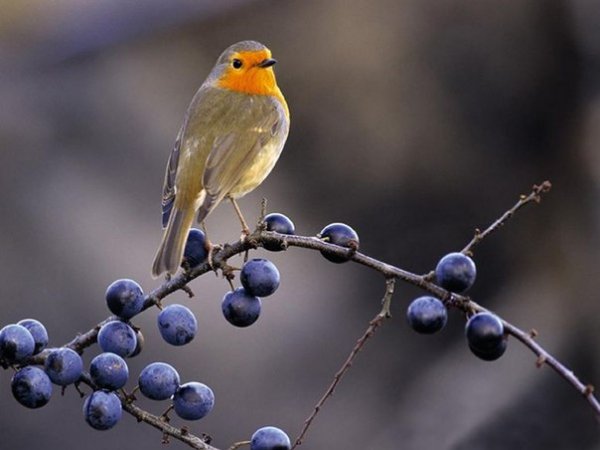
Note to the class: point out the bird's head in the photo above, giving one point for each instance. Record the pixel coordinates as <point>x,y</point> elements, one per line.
<point>246,67</point>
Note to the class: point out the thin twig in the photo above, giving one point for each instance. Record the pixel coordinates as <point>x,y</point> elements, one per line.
<point>374,324</point>
<point>533,196</point>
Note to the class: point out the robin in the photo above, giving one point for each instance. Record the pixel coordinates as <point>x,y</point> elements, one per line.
<point>232,135</point>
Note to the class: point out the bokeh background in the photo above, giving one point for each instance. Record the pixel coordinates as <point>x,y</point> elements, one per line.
<point>414,121</point>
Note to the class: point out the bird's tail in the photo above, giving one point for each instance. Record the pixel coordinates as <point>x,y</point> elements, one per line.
<point>170,252</point>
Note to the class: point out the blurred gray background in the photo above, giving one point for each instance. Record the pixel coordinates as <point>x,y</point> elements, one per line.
<point>413,121</point>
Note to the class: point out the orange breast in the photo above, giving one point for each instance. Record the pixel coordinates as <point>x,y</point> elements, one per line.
<point>252,79</point>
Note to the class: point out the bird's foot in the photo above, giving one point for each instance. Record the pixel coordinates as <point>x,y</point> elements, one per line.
<point>212,249</point>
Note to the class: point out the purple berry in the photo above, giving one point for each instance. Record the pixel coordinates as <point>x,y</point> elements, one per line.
<point>280,224</point>
<point>158,381</point>
<point>342,235</point>
<point>125,298</point>
<point>456,272</point>
<point>196,249</point>
<point>485,336</point>
<point>109,371</point>
<point>260,277</point>
<point>64,366</point>
<point>427,315</point>
<point>270,438</point>
<point>117,337</point>
<point>16,343</point>
<point>193,401</point>
<point>240,308</point>
<point>102,410</point>
<point>31,387</point>
<point>38,332</point>
<point>177,324</point>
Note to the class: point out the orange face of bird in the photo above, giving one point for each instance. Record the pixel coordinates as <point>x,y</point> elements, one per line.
<point>250,72</point>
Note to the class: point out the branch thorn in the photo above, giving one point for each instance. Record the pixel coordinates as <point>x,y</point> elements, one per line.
<point>188,290</point>
<point>533,333</point>
<point>589,390</point>
<point>540,361</point>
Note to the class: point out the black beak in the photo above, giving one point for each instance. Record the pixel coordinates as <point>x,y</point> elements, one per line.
<point>267,62</point>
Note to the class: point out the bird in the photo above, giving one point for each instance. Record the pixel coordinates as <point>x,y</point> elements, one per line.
<point>232,135</point>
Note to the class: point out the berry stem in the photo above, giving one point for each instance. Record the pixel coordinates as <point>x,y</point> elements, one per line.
<point>390,284</point>
<point>238,445</point>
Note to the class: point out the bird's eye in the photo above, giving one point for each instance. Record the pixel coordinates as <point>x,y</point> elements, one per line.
<point>237,63</point>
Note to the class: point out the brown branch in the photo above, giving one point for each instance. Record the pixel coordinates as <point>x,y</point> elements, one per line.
<point>260,237</point>
<point>181,434</point>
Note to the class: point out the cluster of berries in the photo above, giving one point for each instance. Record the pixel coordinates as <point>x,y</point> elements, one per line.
<point>242,306</point>
<point>31,385</point>
<point>108,372</point>
<point>456,273</point>
<point>260,277</point>
<point>119,339</point>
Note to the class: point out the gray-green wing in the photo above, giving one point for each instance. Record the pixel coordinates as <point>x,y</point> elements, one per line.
<point>168,193</point>
<point>169,185</point>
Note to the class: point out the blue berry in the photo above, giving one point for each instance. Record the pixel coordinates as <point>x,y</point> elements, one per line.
<point>125,298</point>
<point>16,343</point>
<point>280,224</point>
<point>158,381</point>
<point>240,308</point>
<point>270,438</point>
<point>427,315</point>
<point>38,332</point>
<point>177,324</point>
<point>64,366</point>
<point>193,401</point>
<point>456,272</point>
<point>102,410</point>
<point>109,371</point>
<point>485,336</point>
<point>31,387</point>
<point>196,249</point>
<point>342,235</point>
<point>117,337</point>
<point>260,277</point>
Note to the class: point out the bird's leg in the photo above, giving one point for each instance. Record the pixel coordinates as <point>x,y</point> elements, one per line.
<point>209,257</point>
<point>245,228</point>
<point>209,246</point>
